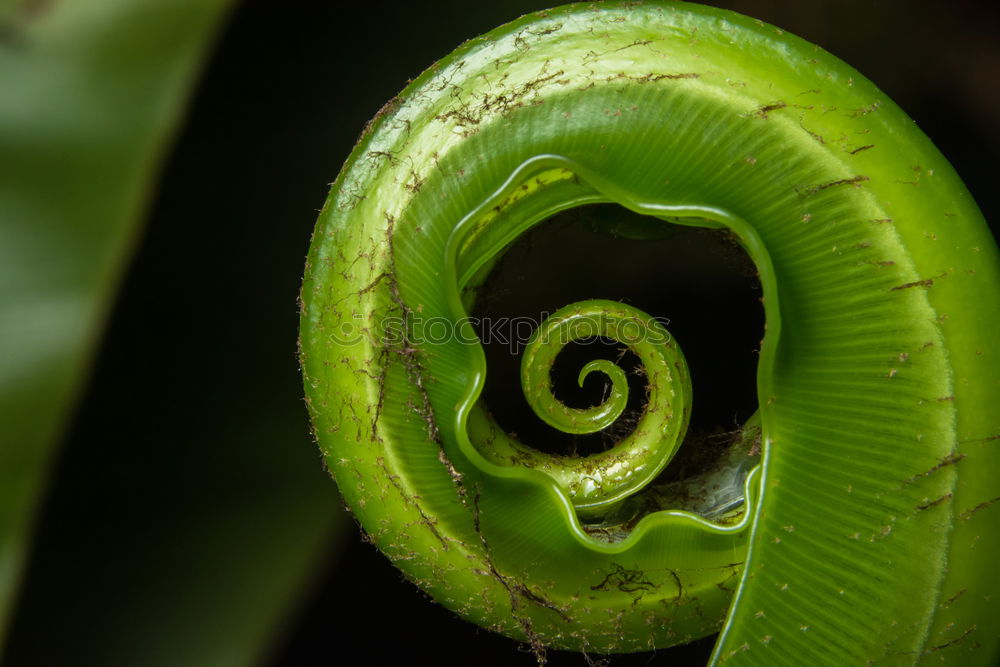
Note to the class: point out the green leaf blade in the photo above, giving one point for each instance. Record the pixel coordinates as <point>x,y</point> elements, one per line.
<point>91,93</point>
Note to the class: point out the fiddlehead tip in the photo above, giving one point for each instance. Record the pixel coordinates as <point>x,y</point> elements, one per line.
<point>607,477</point>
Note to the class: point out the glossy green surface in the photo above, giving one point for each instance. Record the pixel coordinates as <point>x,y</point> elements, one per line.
<point>869,528</point>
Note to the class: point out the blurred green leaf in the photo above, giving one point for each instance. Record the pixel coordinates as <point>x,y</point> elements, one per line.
<point>188,510</point>
<point>90,93</point>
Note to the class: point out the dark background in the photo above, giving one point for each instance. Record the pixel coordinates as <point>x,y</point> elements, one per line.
<point>203,334</point>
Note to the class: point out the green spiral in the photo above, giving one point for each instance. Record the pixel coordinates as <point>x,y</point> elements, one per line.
<point>596,482</point>
<point>853,518</point>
